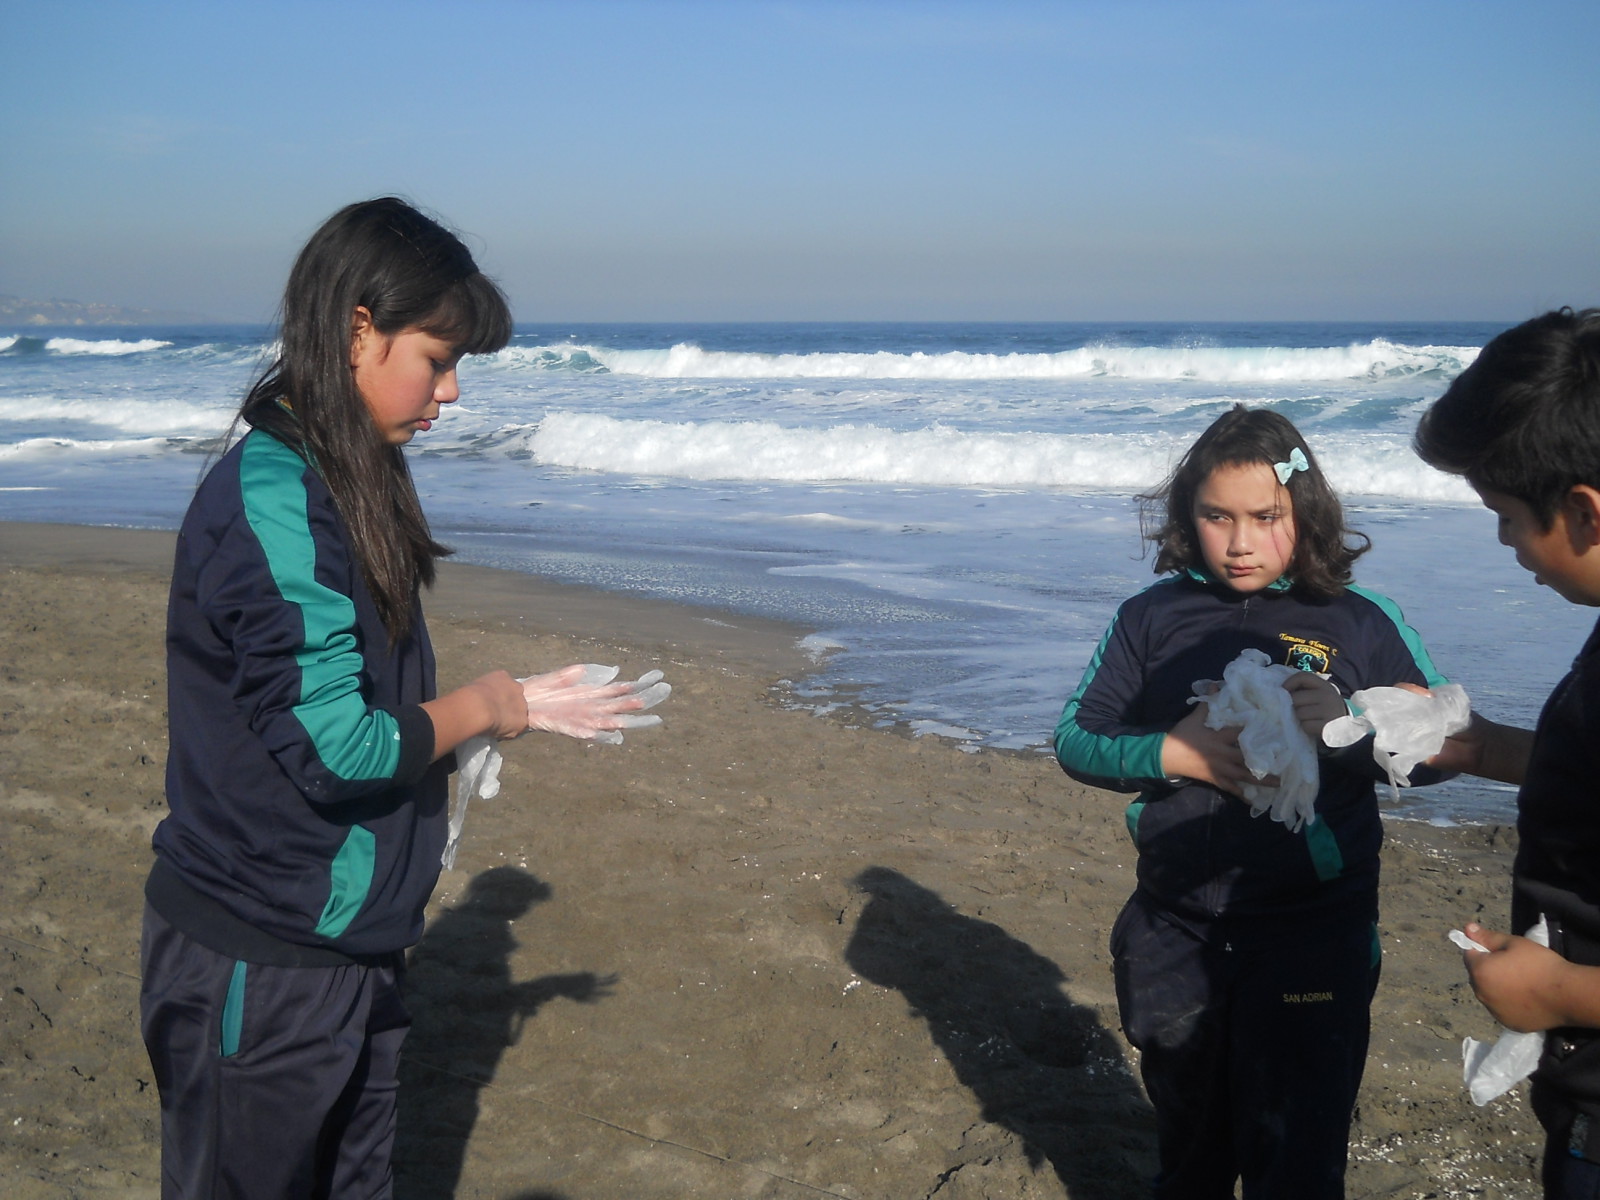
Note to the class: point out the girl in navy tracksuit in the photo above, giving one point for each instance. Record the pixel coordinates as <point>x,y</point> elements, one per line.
<point>307,769</point>
<point>1246,958</point>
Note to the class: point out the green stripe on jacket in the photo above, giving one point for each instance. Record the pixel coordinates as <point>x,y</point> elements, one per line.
<point>1130,757</point>
<point>1413,640</point>
<point>353,741</point>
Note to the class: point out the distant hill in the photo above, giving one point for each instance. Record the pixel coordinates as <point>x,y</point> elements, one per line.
<point>16,310</point>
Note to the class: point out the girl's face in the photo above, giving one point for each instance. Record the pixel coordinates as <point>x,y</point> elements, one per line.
<point>1244,519</point>
<point>403,378</point>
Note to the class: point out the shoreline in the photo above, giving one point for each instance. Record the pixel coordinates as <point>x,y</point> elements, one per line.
<point>463,592</point>
<point>505,597</point>
<point>746,953</point>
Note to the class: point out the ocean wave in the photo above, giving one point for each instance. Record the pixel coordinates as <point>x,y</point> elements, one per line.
<point>43,448</point>
<point>1376,359</point>
<point>66,345</point>
<point>937,456</point>
<point>211,353</point>
<point>130,416</point>
<point>584,360</point>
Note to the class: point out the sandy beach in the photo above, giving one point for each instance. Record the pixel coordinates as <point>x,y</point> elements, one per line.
<point>751,953</point>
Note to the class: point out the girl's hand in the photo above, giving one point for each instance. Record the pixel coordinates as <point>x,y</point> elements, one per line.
<point>489,706</point>
<point>580,701</point>
<point>501,696</point>
<point>1316,702</point>
<point>1196,751</point>
<point>1520,982</point>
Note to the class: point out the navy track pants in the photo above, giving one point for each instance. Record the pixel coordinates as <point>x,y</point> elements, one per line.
<point>1251,1049</point>
<point>275,1082</point>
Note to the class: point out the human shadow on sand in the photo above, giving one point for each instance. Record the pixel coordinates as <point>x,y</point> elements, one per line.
<point>466,1011</point>
<point>1041,1066</point>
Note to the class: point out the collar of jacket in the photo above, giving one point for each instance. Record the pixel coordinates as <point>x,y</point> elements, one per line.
<point>1281,584</point>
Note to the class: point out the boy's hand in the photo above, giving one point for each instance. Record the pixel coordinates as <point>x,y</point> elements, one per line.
<point>1463,752</point>
<point>1194,750</point>
<point>1520,982</point>
<point>1484,748</point>
<point>1316,702</point>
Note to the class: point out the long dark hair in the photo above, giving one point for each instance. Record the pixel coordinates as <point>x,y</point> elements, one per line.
<point>409,272</point>
<point>1323,553</point>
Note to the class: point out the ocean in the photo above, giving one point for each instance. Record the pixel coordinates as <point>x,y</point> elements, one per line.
<point>949,506</point>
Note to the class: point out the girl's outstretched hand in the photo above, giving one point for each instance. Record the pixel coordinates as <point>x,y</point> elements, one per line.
<point>1316,702</point>
<point>581,701</point>
<point>1194,750</point>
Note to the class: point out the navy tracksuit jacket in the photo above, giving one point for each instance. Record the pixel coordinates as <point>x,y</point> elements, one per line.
<point>1557,875</point>
<point>1201,854</point>
<point>304,806</point>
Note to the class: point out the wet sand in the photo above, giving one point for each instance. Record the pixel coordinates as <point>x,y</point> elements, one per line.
<point>751,953</point>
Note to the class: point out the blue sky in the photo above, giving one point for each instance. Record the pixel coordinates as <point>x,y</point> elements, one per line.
<point>727,160</point>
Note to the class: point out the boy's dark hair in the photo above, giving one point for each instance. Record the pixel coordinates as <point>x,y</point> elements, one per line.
<point>409,272</point>
<point>1323,555</point>
<point>1524,417</point>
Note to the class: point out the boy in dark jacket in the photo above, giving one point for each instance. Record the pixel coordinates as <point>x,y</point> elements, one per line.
<point>1522,426</point>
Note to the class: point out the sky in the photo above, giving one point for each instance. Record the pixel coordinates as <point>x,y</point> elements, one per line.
<point>725,160</point>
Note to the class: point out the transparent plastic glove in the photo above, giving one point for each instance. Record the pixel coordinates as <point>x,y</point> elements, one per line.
<point>1407,727</point>
<point>1492,1069</point>
<point>477,773</point>
<point>1253,698</point>
<point>581,701</point>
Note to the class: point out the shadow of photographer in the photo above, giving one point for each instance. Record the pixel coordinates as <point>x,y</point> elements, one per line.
<point>1040,1065</point>
<point>466,1011</point>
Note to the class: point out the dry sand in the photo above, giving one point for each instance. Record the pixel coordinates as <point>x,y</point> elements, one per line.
<point>752,953</point>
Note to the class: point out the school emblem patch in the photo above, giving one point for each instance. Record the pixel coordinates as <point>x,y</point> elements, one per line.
<point>1305,654</point>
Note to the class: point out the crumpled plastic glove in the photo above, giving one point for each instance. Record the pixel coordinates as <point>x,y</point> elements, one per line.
<point>1407,727</point>
<point>581,701</point>
<point>477,773</point>
<point>1252,697</point>
<point>1492,1070</point>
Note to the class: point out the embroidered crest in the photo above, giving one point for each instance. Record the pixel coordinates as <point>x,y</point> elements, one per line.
<point>1306,654</point>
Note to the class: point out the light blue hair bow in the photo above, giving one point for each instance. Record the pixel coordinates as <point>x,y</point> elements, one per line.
<point>1297,462</point>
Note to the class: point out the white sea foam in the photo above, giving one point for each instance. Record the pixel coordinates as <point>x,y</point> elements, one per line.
<point>66,345</point>
<point>937,456</point>
<point>72,450</point>
<point>7,342</point>
<point>132,416</point>
<point>1376,359</point>
<point>817,646</point>
<point>1378,466</point>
